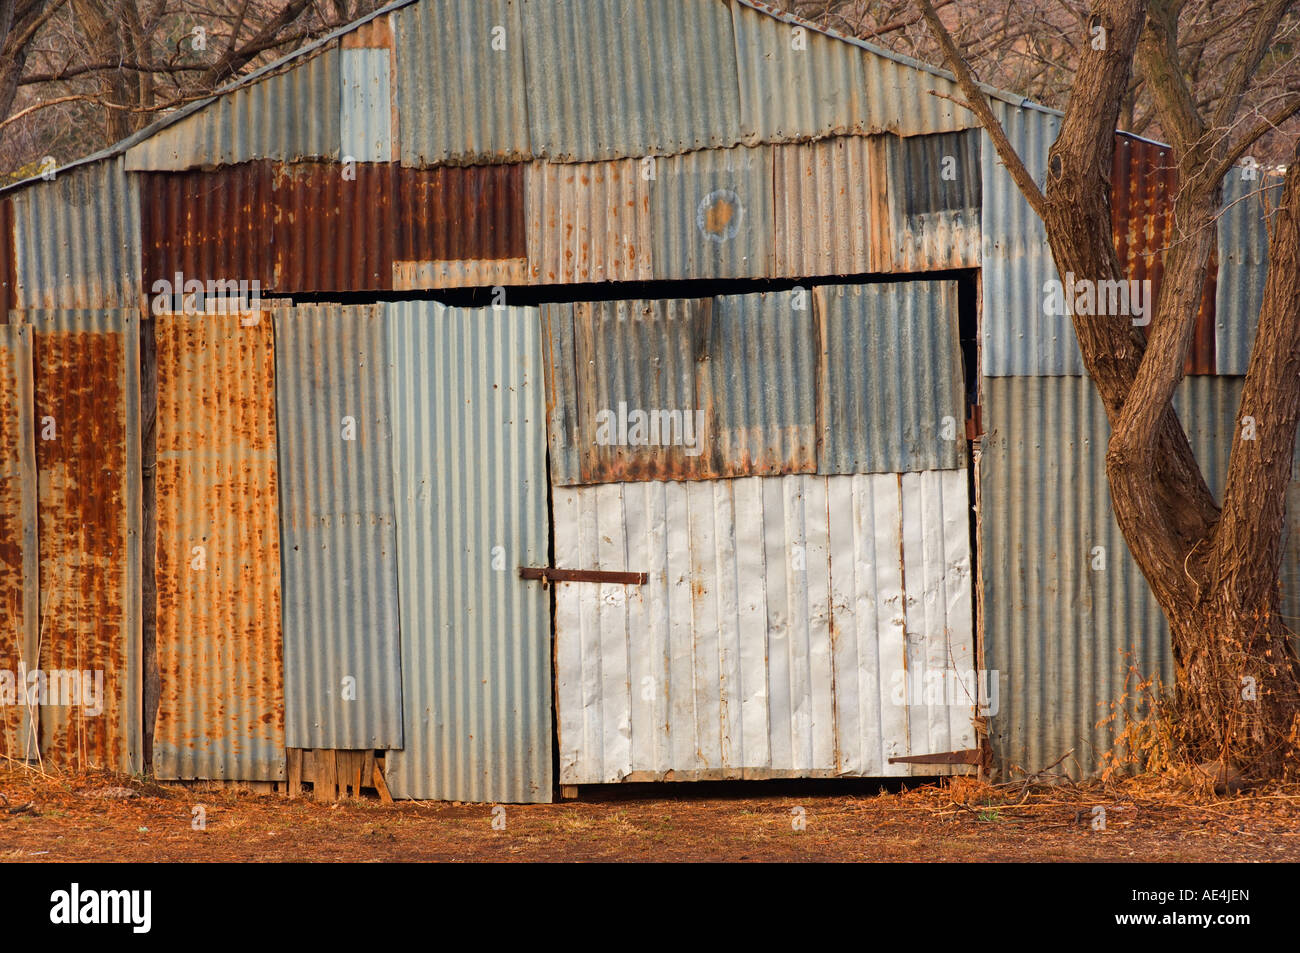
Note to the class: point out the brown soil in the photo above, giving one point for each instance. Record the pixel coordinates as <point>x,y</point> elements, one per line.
<point>88,817</point>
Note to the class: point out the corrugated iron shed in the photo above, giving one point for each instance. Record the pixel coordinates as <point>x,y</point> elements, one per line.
<point>220,650</point>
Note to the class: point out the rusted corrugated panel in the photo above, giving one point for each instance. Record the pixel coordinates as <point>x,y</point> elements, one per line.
<point>806,84</point>
<point>461,88</point>
<point>723,387</point>
<point>333,228</point>
<point>207,225</point>
<point>469,477</point>
<point>892,383</point>
<point>1144,184</point>
<point>8,266</point>
<point>776,632</point>
<point>87,408</point>
<point>712,214</point>
<point>366,108</point>
<point>1248,204</point>
<point>343,684</point>
<point>460,227</point>
<point>221,705</point>
<point>609,79</point>
<point>831,215</point>
<point>933,186</point>
<point>77,240</point>
<point>589,221</point>
<point>19,593</point>
<point>291,115</point>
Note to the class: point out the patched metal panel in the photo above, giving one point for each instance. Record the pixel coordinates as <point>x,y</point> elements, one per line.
<point>19,592</point>
<point>797,83</point>
<point>1243,255</point>
<point>77,240</point>
<point>460,227</point>
<point>933,184</point>
<point>461,87</point>
<point>891,395</point>
<point>8,266</point>
<point>711,214</point>
<point>87,405</point>
<point>776,633</point>
<point>831,216</point>
<point>1071,624</point>
<point>469,475</point>
<point>331,233</point>
<point>365,119</point>
<point>343,685</point>
<point>609,79</point>
<point>589,221</point>
<point>1016,262</point>
<point>220,648</point>
<point>291,115</point>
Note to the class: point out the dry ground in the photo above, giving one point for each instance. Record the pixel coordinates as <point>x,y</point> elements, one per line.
<point>91,817</point>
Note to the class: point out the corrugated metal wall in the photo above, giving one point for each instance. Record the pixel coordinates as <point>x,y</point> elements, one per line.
<point>293,114</point>
<point>365,106</point>
<point>831,208</point>
<point>19,592</point>
<point>343,684</point>
<point>77,240</point>
<point>933,187</point>
<point>469,472</point>
<point>1243,252</point>
<point>87,409</point>
<point>220,649</point>
<point>776,630</point>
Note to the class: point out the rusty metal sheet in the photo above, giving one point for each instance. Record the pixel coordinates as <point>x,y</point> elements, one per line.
<point>711,214</point>
<point>333,227</point>
<point>460,227</point>
<point>589,221</point>
<point>87,408</point>
<point>207,225</point>
<point>933,185</point>
<point>19,593</point>
<point>1143,185</point>
<point>221,706</point>
<point>8,266</point>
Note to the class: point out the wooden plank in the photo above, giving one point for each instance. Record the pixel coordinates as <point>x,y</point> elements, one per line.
<point>568,792</point>
<point>326,783</point>
<point>294,762</point>
<point>381,785</point>
<point>545,573</point>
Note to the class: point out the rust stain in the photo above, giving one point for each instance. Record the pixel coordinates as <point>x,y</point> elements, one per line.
<point>81,457</point>
<point>470,213</point>
<point>718,216</point>
<point>220,652</point>
<point>1144,184</point>
<point>15,476</point>
<point>375,35</point>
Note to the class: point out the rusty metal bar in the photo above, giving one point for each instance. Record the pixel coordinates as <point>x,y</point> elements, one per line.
<point>965,756</point>
<point>549,574</point>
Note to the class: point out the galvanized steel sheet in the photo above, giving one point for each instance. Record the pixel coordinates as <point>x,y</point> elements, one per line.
<point>831,208</point>
<point>87,409</point>
<point>462,95</point>
<point>785,629</point>
<point>891,381</point>
<point>77,240</point>
<point>220,649</point>
<point>589,221</point>
<point>1248,204</point>
<point>343,684</point>
<point>711,214</point>
<point>933,184</point>
<point>19,582</point>
<point>365,106</point>
<point>469,474</point>
<point>609,79</point>
<point>293,114</point>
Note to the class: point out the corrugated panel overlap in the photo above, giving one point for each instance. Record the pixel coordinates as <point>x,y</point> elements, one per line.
<point>891,379</point>
<point>220,648</point>
<point>343,685</point>
<point>77,240</point>
<point>609,80</point>
<point>933,184</point>
<point>19,592</point>
<point>1243,268</point>
<point>711,214</point>
<point>589,221</point>
<point>1063,635</point>
<point>87,409</point>
<point>461,89</point>
<point>291,115</point>
<point>774,637</point>
<point>469,472</point>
